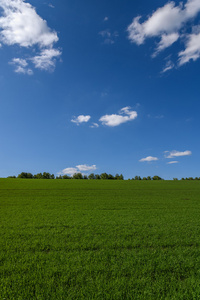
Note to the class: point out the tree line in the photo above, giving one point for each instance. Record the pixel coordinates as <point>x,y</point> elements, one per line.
<point>188,178</point>
<point>46,175</point>
<point>92,176</point>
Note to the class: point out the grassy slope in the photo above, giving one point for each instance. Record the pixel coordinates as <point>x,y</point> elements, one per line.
<point>69,239</point>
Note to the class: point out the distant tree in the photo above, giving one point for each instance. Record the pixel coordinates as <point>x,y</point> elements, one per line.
<point>149,178</point>
<point>144,178</point>
<point>91,176</point>
<point>38,176</point>
<point>175,178</point>
<point>190,178</point>
<point>52,176</point>
<point>182,178</point>
<point>66,177</point>
<point>104,176</point>
<point>11,177</point>
<point>156,177</point>
<point>136,177</point>
<point>196,178</point>
<point>25,175</point>
<point>85,177</point>
<point>29,175</point>
<point>110,176</point>
<point>22,175</point>
<point>59,177</point>
<point>121,177</point>
<point>77,176</point>
<point>46,175</point>
<point>97,176</point>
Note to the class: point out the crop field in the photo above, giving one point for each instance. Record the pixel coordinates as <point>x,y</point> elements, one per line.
<point>99,239</point>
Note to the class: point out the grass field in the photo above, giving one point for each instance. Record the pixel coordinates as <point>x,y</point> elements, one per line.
<point>81,239</point>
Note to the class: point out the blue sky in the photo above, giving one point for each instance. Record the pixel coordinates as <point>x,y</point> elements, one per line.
<point>100,86</point>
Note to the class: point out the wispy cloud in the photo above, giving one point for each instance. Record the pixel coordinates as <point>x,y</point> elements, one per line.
<point>192,50</point>
<point>174,153</point>
<point>125,115</point>
<point>21,25</point>
<point>159,117</point>
<point>166,41</point>
<point>156,117</point>
<point>168,23</point>
<point>172,162</point>
<point>81,119</point>
<point>94,125</point>
<point>104,94</point>
<point>21,66</point>
<point>148,159</point>
<point>169,65</point>
<point>108,36</point>
<point>105,19</point>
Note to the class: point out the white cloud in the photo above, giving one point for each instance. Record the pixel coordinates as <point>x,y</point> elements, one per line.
<point>148,159</point>
<point>164,20</point>
<point>106,19</point>
<point>94,125</point>
<point>20,61</point>
<point>174,153</point>
<point>21,25</point>
<point>165,42</point>
<point>192,50</point>
<point>81,119</point>
<point>46,59</point>
<point>172,162</point>
<point>78,169</point>
<point>21,66</point>
<point>22,70</point>
<point>125,115</point>
<point>105,33</point>
<point>68,171</point>
<point>166,23</point>
<point>192,8</point>
<point>86,167</point>
<point>169,65</point>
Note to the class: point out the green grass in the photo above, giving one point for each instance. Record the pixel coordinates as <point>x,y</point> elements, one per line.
<point>71,239</point>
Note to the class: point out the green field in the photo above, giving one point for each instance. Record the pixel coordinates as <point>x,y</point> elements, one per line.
<point>99,239</point>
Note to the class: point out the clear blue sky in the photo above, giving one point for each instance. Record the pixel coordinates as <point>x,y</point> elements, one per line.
<point>100,86</point>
